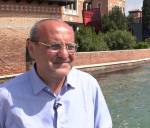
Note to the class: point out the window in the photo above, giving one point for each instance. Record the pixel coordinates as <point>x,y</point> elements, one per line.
<point>87,6</point>
<point>71,9</point>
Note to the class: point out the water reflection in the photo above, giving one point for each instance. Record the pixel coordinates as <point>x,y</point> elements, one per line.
<point>128,97</point>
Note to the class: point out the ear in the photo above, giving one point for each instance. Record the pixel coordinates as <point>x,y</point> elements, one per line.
<point>30,48</point>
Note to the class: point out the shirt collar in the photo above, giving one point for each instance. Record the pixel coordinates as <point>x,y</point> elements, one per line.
<point>72,78</point>
<point>38,85</point>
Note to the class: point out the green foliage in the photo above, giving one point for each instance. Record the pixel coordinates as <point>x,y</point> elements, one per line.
<point>88,40</point>
<point>114,20</point>
<point>108,24</point>
<point>119,18</point>
<point>119,40</point>
<point>148,41</point>
<point>84,38</point>
<point>98,43</point>
<point>142,45</point>
<point>130,19</point>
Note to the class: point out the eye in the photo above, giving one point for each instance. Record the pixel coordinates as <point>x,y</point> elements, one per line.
<point>71,46</point>
<point>55,46</point>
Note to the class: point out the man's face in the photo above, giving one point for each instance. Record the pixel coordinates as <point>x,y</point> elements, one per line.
<point>56,63</point>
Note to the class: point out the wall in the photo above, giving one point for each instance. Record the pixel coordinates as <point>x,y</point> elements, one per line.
<point>12,50</point>
<point>111,56</point>
<point>15,21</point>
<point>15,62</point>
<point>108,61</point>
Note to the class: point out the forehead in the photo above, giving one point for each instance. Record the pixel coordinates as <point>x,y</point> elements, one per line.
<point>52,25</point>
<point>48,28</point>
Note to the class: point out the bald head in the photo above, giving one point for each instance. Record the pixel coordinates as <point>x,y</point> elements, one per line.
<point>42,27</point>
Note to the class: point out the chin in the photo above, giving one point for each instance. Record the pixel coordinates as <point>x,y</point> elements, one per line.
<point>63,69</point>
<point>62,72</point>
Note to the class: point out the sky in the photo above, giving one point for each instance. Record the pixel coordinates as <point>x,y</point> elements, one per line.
<point>132,5</point>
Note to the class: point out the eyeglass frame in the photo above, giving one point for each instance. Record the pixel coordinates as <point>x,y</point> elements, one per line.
<point>49,46</point>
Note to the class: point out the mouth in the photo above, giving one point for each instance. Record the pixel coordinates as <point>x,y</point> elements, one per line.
<point>62,62</point>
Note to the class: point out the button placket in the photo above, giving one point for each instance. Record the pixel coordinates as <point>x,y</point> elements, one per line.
<point>58,109</point>
<point>59,117</point>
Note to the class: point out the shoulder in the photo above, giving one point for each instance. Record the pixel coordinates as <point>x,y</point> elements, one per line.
<point>81,74</point>
<point>14,84</point>
<point>3,93</point>
<point>12,87</point>
<point>81,78</point>
<point>5,98</point>
<point>85,84</point>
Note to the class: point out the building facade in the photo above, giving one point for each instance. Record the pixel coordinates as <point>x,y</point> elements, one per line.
<point>22,13</point>
<point>73,12</point>
<point>135,25</point>
<point>17,17</point>
<point>136,15</point>
<point>107,5</point>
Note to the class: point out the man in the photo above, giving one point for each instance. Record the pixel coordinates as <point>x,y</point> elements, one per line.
<point>53,94</point>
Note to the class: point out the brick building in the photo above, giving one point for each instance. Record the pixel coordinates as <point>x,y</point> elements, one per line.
<point>136,23</point>
<point>22,13</point>
<point>17,16</point>
<point>107,5</point>
<point>136,15</point>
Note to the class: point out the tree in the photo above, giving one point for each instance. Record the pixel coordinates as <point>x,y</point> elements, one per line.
<point>114,20</point>
<point>84,38</point>
<point>130,19</point>
<point>88,40</point>
<point>108,24</point>
<point>120,40</point>
<point>146,19</point>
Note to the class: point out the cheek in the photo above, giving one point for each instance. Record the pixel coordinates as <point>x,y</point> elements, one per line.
<point>72,57</point>
<point>50,57</point>
<point>41,57</point>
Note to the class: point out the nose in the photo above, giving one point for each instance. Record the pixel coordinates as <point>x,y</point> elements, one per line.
<point>63,53</point>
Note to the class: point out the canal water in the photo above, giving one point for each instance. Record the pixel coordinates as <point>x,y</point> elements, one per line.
<point>127,94</point>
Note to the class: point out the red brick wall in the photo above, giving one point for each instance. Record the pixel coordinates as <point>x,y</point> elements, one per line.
<point>12,50</point>
<point>111,56</point>
<point>13,60</point>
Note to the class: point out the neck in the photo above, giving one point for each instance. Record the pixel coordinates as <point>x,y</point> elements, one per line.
<point>55,83</point>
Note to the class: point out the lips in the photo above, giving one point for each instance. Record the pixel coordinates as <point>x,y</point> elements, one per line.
<point>61,62</point>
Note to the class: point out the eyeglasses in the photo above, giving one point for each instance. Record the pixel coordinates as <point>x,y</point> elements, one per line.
<point>55,47</point>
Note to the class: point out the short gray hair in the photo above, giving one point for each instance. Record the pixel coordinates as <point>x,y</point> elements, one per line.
<point>34,36</point>
<point>34,32</point>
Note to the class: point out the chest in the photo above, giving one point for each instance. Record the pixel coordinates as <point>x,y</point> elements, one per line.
<point>75,110</point>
